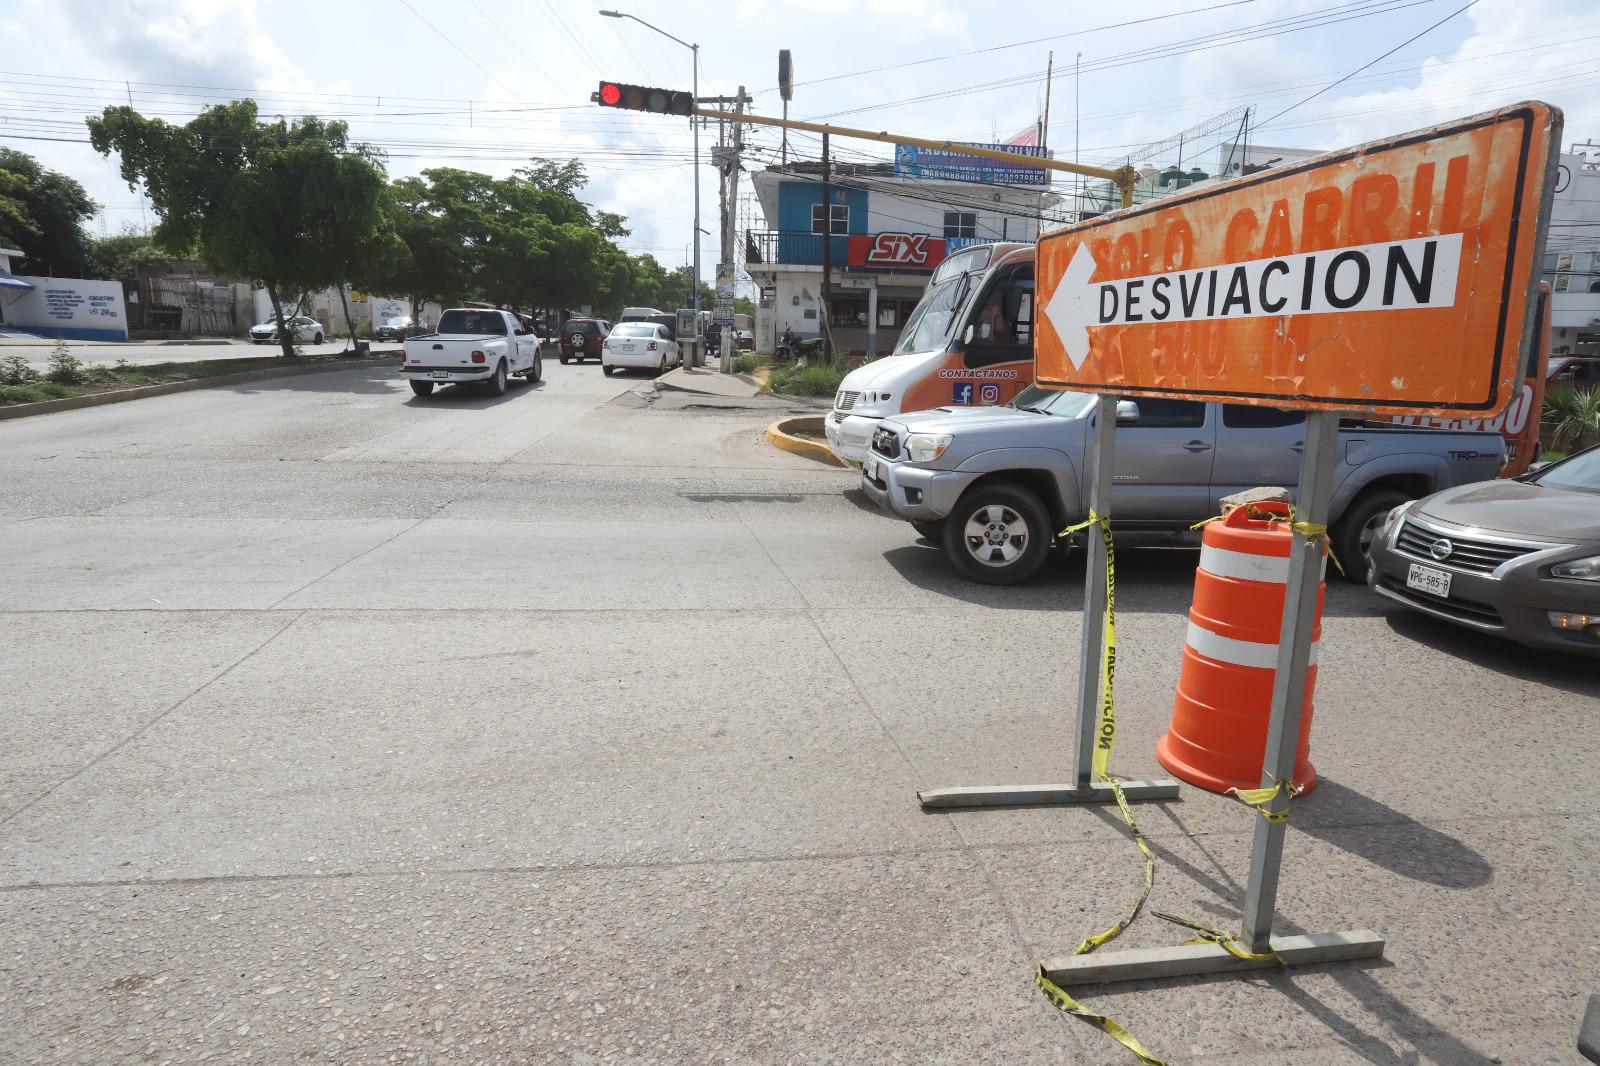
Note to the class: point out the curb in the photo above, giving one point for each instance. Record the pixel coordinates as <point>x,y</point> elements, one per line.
<point>778,437</point>
<point>98,399</point>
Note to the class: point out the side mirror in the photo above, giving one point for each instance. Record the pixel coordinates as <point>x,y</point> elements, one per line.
<point>1127,412</point>
<point>966,337</point>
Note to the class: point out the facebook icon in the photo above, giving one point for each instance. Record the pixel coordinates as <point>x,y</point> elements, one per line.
<point>962,393</point>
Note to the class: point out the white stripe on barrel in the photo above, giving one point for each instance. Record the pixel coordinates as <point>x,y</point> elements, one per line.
<point>1236,652</point>
<point>1248,566</point>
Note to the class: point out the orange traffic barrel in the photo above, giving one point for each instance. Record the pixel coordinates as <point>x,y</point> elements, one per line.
<point>1218,735</point>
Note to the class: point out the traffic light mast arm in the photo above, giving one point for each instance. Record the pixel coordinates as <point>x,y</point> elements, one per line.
<point>1123,177</point>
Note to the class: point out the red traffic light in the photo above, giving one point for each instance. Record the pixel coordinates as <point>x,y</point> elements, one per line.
<point>644,98</point>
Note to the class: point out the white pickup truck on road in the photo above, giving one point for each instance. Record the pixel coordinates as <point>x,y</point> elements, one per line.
<point>473,344</point>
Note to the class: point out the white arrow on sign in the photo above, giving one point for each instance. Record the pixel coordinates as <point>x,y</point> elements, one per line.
<point>1072,308</point>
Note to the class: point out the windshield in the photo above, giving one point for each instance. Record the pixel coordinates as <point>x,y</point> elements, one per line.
<point>639,330</point>
<point>1581,473</point>
<point>1052,401</point>
<point>964,262</point>
<point>397,322</point>
<point>477,323</point>
<point>931,320</point>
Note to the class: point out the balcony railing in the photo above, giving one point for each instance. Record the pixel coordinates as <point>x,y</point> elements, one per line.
<point>793,247</point>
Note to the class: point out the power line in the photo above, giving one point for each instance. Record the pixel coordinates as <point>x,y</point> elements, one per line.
<point>464,52</point>
<point>1358,70</point>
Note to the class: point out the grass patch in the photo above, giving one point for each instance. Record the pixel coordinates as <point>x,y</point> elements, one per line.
<point>807,380</point>
<point>21,384</point>
<point>746,364</point>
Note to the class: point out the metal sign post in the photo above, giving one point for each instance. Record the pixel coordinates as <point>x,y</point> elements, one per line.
<point>1091,667</point>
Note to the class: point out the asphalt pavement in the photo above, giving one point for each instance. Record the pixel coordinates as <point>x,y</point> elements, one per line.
<point>580,725</point>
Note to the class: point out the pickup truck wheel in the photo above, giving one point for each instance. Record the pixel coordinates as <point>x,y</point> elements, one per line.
<point>1352,535</point>
<point>497,384</point>
<point>998,534</point>
<point>422,388</point>
<point>537,373</point>
<point>931,530</point>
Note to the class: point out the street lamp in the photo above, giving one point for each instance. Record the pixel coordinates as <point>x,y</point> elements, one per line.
<point>695,124</point>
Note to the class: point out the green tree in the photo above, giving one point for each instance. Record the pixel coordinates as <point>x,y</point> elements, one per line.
<point>120,256</point>
<point>287,203</point>
<point>743,305</point>
<point>42,213</point>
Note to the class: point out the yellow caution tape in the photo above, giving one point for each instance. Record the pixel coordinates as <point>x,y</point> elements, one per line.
<point>1305,529</point>
<point>1227,941</point>
<point>1067,1005</point>
<point>1105,738</point>
<point>1261,798</point>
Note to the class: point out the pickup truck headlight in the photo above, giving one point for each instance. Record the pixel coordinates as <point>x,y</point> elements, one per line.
<point>1581,569</point>
<point>926,447</point>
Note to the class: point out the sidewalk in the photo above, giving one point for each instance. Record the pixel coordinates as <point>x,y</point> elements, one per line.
<point>709,382</point>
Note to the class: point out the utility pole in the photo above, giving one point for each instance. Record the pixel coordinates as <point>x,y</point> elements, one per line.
<point>1044,136</point>
<point>728,157</point>
<point>827,251</point>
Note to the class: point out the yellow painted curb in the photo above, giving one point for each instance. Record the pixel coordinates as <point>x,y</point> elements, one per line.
<point>778,438</point>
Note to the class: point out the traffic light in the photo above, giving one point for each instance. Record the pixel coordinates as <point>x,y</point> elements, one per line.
<point>644,98</point>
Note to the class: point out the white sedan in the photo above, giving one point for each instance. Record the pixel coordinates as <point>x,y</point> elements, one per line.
<point>643,345</point>
<point>301,327</point>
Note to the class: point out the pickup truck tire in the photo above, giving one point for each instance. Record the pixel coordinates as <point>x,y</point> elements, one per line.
<point>422,388</point>
<point>999,534</point>
<point>1352,534</point>
<point>497,383</point>
<point>534,372</point>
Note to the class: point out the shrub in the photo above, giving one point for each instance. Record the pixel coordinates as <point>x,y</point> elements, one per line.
<point>16,371</point>
<point>65,368</point>
<point>1574,415</point>
<point>745,364</point>
<point>807,380</point>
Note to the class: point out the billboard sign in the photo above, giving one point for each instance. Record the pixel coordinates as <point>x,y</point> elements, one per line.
<point>895,251</point>
<point>1395,277</point>
<point>932,164</point>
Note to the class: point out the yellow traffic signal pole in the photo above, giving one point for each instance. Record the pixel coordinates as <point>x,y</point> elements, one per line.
<point>1123,177</point>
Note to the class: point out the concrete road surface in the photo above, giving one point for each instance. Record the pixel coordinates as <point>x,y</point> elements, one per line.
<point>575,727</point>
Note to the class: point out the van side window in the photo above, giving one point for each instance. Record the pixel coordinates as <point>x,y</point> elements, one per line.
<point>1244,416</point>
<point>1002,325</point>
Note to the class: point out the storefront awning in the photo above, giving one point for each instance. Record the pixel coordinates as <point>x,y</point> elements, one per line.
<point>9,282</point>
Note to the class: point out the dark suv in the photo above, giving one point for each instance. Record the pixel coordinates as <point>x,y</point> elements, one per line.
<point>581,339</point>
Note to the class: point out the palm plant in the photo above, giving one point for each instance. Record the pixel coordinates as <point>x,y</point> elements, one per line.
<point>1574,416</point>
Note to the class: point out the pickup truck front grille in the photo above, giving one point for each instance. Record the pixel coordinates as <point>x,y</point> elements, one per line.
<point>886,443</point>
<point>1458,553</point>
<point>845,400</point>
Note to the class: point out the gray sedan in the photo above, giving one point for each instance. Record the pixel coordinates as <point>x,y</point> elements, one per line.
<point>1520,558</point>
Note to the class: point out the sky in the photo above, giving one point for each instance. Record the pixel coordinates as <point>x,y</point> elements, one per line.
<point>484,84</point>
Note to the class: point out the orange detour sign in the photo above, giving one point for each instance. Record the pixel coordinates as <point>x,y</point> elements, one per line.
<point>1396,277</point>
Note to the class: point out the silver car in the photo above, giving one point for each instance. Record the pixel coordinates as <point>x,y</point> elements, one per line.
<point>1520,558</point>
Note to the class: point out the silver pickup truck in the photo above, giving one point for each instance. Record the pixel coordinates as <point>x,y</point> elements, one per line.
<point>994,484</point>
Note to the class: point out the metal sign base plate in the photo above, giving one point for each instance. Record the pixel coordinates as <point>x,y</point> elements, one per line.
<point>1187,960</point>
<point>1037,795</point>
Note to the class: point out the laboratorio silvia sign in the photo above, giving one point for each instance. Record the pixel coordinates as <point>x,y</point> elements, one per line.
<point>933,164</point>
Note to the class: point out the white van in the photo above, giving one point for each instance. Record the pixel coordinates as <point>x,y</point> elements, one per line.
<point>967,343</point>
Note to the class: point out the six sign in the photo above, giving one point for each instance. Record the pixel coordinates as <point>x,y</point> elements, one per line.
<point>1393,277</point>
